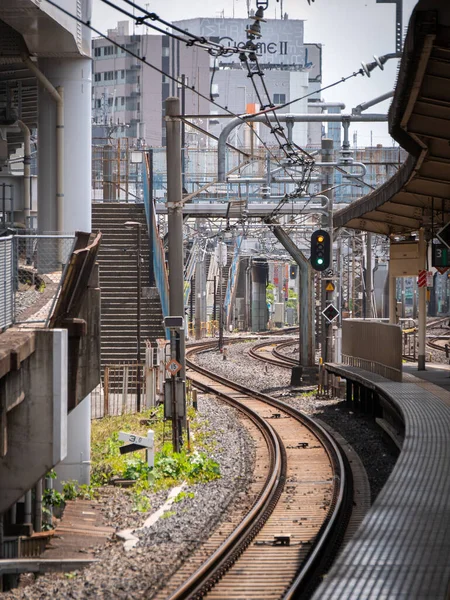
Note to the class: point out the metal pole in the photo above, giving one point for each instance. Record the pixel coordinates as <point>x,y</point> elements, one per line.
<point>175,234</point>
<point>327,296</point>
<point>183,131</point>
<point>220,299</point>
<point>151,213</point>
<point>138,319</point>
<point>368,291</point>
<point>422,305</point>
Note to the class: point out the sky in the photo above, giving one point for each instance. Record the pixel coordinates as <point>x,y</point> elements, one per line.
<point>351,31</point>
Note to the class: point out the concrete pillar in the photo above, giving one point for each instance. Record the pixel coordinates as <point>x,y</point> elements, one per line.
<point>76,465</point>
<point>422,305</point>
<point>74,76</point>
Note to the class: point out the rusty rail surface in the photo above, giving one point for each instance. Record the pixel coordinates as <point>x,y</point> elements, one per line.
<point>307,492</point>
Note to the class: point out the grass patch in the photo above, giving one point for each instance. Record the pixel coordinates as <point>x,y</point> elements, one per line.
<point>170,468</point>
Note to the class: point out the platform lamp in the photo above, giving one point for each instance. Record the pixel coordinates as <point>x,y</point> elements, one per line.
<point>138,226</point>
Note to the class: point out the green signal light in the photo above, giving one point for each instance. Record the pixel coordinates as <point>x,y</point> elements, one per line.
<point>320,261</point>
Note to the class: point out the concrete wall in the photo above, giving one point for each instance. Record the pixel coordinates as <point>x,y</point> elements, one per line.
<point>373,346</point>
<point>36,427</point>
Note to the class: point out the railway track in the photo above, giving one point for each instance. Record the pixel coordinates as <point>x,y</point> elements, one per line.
<point>280,541</point>
<point>436,343</point>
<point>270,352</point>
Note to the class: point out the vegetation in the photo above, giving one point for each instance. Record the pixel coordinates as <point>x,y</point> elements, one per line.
<point>170,467</point>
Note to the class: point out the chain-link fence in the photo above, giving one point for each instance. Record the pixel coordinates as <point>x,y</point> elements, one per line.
<point>7,282</point>
<point>32,266</point>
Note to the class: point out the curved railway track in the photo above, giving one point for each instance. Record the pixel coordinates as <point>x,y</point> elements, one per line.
<point>270,352</point>
<point>436,343</point>
<point>298,506</point>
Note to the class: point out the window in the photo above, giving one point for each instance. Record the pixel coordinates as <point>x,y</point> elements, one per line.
<point>122,74</point>
<point>108,76</point>
<point>279,98</point>
<point>122,101</point>
<point>97,51</point>
<point>165,51</point>
<point>138,106</point>
<point>110,101</point>
<point>108,50</point>
<point>98,103</point>
<point>97,77</point>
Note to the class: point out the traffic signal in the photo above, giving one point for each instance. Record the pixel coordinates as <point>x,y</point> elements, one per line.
<point>293,271</point>
<point>320,250</point>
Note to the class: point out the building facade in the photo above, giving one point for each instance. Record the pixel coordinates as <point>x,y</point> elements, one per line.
<point>128,96</point>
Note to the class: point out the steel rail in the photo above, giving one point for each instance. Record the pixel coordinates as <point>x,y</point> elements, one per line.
<point>223,558</point>
<point>332,530</point>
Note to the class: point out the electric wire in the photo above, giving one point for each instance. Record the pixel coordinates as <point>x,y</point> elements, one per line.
<point>272,108</point>
<point>174,79</point>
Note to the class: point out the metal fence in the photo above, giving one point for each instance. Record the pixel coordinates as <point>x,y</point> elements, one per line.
<point>7,282</point>
<point>31,267</point>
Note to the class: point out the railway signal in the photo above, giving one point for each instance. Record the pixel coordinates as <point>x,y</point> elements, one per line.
<point>320,250</point>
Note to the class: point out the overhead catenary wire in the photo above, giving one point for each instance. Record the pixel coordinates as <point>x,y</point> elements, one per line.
<point>144,61</point>
<point>243,118</point>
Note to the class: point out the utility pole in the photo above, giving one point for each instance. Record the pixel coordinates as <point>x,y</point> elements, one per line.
<point>327,296</point>
<point>175,243</point>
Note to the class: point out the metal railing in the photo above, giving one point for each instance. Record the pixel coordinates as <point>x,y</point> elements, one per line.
<point>7,282</point>
<point>117,394</point>
<point>39,263</point>
<point>157,250</point>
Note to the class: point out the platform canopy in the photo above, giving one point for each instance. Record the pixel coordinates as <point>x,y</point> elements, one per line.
<point>418,195</point>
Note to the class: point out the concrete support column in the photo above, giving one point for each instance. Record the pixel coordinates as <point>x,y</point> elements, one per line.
<point>74,76</point>
<point>392,298</point>
<point>422,305</point>
<point>76,465</point>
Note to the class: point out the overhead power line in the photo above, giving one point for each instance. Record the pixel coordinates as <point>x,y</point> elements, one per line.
<point>191,88</point>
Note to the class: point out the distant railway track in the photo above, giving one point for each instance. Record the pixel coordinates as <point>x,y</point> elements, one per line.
<point>432,342</point>
<point>270,352</point>
<point>301,502</point>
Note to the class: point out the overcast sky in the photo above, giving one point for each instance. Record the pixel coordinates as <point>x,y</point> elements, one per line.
<point>351,31</point>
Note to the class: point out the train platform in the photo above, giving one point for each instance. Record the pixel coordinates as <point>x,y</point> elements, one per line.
<point>436,374</point>
<point>402,548</point>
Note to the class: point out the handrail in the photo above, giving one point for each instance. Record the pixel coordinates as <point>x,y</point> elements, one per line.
<point>155,243</point>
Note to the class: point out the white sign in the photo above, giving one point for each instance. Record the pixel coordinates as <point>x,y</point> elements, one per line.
<point>144,442</point>
<point>133,438</point>
<point>430,279</point>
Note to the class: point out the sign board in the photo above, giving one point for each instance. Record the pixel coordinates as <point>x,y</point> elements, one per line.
<point>133,438</point>
<point>425,278</point>
<point>404,259</point>
<point>441,270</point>
<point>444,235</point>
<point>330,313</point>
<point>329,287</point>
<point>440,255</point>
<point>173,366</point>
<point>139,442</point>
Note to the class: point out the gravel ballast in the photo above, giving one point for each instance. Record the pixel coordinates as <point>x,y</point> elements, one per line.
<point>138,573</point>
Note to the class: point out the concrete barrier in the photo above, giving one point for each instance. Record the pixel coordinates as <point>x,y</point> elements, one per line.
<point>373,346</point>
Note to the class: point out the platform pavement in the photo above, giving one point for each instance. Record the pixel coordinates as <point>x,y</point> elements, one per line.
<point>435,379</point>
